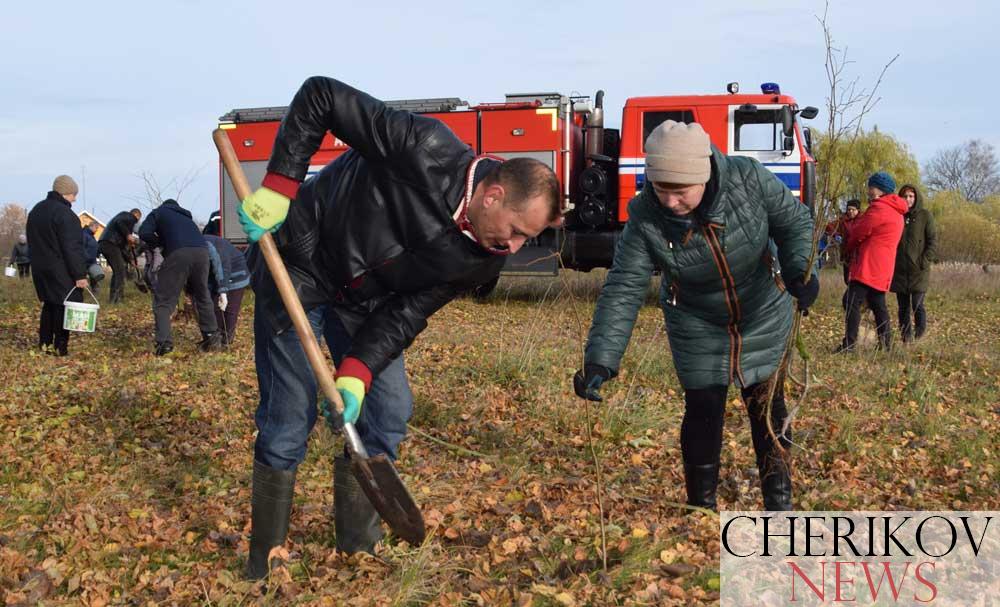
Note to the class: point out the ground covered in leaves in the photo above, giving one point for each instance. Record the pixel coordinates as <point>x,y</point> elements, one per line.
<point>124,478</point>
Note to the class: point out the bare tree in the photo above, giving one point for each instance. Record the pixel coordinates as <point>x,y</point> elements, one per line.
<point>847,105</point>
<point>970,169</point>
<point>154,193</point>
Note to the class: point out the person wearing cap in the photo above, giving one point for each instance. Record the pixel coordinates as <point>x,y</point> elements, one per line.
<point>214,225</point>
<point>20,256</point>
<point>116,239</point>
<point>871,246</point>
<point>58,261</point>
<point>916,251</point>
<point>375,243</point>
<point>704,220</point>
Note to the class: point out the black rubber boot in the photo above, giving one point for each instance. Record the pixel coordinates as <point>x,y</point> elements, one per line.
<point>211,342</point>
<point>702,480</point>
<point>271,507</point>
<point>358,525</point>
<point>775,484</point>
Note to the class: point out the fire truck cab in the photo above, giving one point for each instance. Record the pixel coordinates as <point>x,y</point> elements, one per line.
<point>599,169</point>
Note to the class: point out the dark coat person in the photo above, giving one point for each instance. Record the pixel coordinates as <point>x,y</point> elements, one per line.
<point>214,225</point>
<point>58,259</point>
<point>705,221</point>
<point>114,245</point>
<point>185,266</point>
<point>229,279</point>
<point>89,245</point>
<point>20,256</point>
<point>916,251</point>
<point>90,252</point>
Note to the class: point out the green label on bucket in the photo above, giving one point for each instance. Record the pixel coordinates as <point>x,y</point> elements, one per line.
<point>76,319</point>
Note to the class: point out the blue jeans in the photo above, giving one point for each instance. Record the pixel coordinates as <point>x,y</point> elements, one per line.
<point>289,394</point>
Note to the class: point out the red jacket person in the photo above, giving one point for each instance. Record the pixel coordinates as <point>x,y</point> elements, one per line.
<point>871,246</point>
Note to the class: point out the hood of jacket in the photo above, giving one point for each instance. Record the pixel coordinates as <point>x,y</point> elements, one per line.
<point>173,207</point>
<point>918,202</point>
<point>894,202</point>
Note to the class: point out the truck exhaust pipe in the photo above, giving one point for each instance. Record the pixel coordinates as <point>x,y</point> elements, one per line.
<point>595,128</point>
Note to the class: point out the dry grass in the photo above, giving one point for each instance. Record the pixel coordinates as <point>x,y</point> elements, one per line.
<point>125,479</point>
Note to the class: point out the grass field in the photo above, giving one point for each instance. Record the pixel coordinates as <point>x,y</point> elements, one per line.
<point>124,478</point>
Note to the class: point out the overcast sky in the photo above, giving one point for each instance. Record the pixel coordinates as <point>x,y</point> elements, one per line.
<point>116,89</point>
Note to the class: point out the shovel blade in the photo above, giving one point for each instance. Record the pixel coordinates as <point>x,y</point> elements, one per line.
<point>387,493</point>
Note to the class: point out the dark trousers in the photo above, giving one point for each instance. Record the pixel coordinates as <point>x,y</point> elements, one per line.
<point>23,270</point>
<point>116,259</point>
<point>184,268</point>
<point>50,325</point>
<point>704,415</point>
<point>227,320</point>
<point>856,294</point>
<point>911,303</point>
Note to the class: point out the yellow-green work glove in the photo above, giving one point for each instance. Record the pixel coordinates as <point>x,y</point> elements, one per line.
<point>263,211</point>
<point>352,392</point>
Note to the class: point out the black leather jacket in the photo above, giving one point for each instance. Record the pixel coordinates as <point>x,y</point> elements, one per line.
<point>372,233</point>
<point>118,229</point>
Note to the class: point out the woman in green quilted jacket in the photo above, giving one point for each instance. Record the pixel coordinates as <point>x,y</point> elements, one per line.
<point>705,221</point>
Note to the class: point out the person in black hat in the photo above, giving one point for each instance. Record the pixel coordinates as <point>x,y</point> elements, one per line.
<point>214,225</point>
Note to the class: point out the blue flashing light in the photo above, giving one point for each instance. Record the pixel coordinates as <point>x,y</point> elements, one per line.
<point>770,88</point>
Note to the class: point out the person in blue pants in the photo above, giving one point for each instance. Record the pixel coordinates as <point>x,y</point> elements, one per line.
<point>375,243</point>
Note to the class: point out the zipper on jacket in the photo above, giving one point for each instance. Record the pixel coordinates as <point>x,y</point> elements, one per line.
<point>732,301</point>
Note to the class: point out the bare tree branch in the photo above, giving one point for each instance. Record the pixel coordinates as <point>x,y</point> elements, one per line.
<point>153,193</point>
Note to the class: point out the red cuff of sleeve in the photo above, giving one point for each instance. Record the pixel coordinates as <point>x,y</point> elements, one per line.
<point>286,186</point>
<point>355,368</point>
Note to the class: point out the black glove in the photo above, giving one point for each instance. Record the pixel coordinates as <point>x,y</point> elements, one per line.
<point>805,293</point>
<point>588,381</point>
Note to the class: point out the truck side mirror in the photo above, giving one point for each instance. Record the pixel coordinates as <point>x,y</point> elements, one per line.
<point>808,112</point>
<point>786,120</point>
<point>807,137</point>
<point>788,144</point>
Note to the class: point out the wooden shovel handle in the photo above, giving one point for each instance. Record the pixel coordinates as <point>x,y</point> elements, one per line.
<point>321,368</point>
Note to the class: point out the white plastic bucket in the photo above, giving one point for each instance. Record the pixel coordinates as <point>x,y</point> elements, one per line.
<point>80,316</point>
<point>10,271</point>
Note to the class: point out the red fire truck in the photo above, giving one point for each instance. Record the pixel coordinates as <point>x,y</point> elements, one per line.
<point>600,169</point>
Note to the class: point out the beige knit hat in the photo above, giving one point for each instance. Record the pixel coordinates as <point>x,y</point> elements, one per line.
<point>678,153</point>
<point>65,185</point>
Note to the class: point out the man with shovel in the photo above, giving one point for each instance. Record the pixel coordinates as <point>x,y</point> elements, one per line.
<point>375,243</point>
<point>115,241</point>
